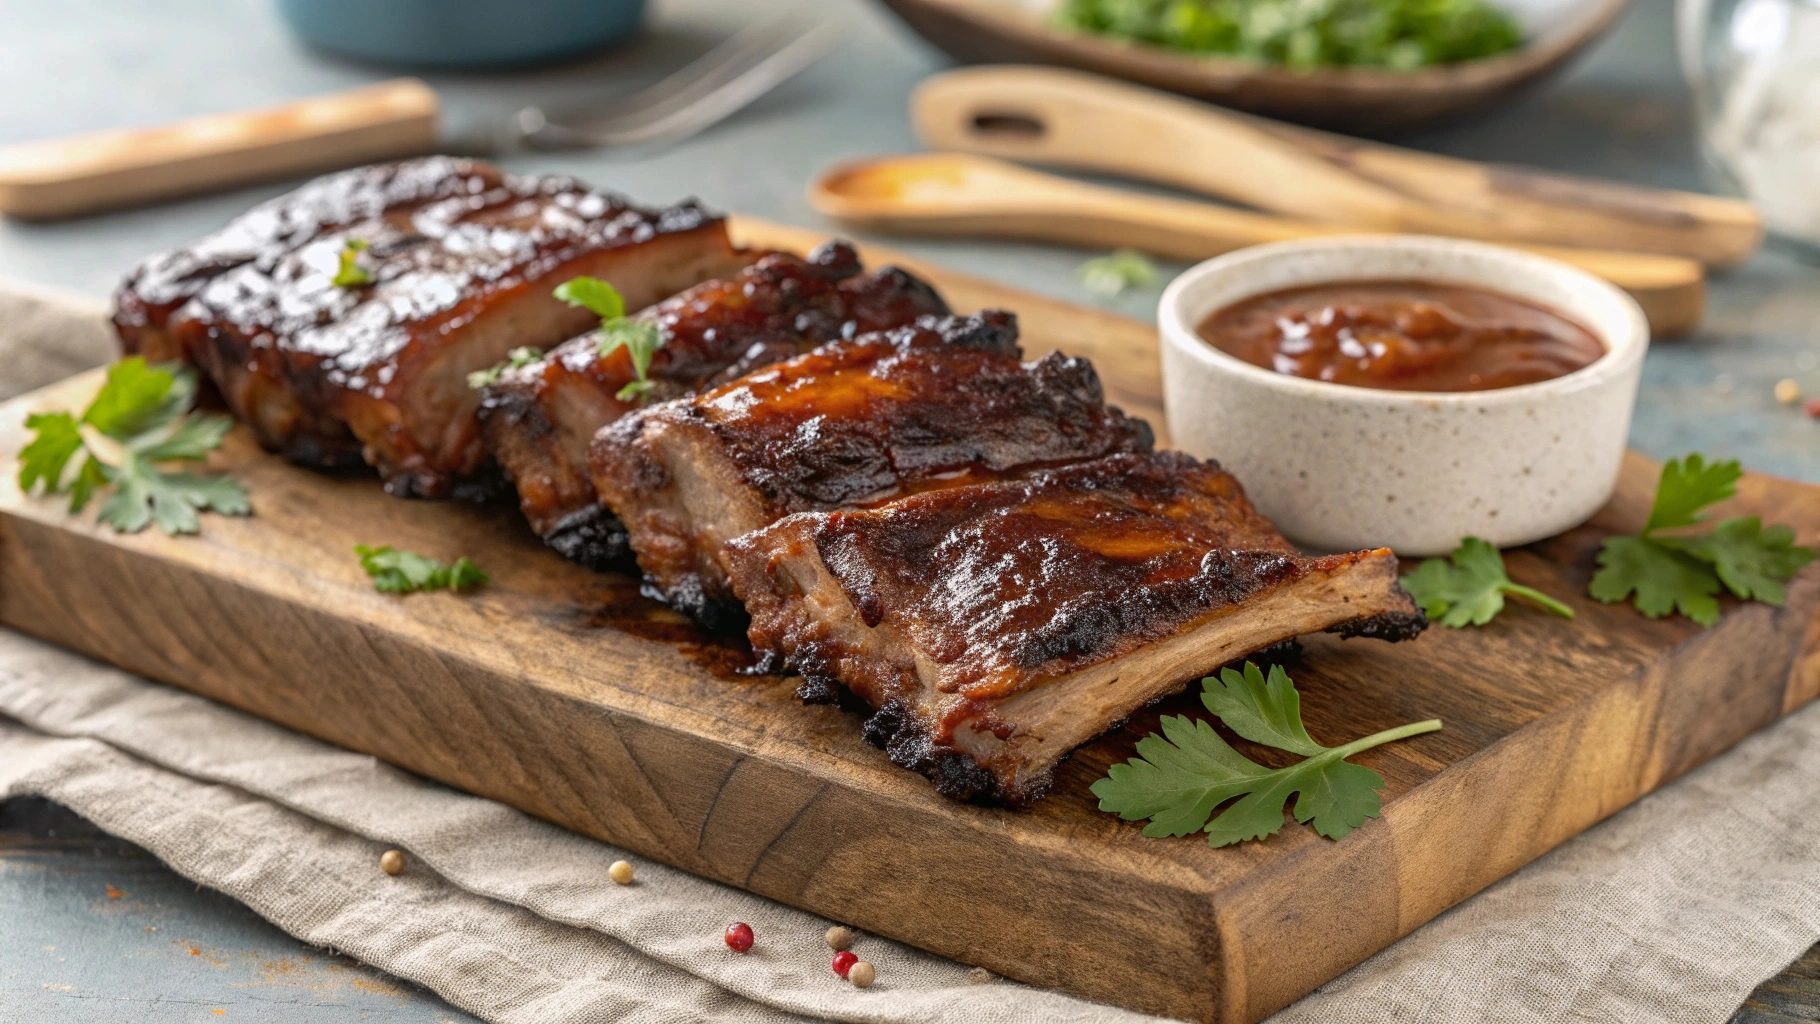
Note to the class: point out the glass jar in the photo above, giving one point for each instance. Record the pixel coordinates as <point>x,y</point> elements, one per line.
<point>1754,66</point>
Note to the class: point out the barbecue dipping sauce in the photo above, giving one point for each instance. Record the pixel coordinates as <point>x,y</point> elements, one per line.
<point>1402,336</point>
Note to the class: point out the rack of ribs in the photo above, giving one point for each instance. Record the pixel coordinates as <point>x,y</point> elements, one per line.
<point>857,421</point>
<point>538,419</point>
<point>458,265</point>
<point>995,627</point>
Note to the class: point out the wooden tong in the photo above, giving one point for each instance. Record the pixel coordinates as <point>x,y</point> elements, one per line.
<point>1653,242</point>
<point>1070,119</point>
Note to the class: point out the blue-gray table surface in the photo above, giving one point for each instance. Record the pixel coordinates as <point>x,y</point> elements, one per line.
<point>166,951</point>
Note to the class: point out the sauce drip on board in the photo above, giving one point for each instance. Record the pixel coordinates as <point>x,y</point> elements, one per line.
<point>1402,336</point>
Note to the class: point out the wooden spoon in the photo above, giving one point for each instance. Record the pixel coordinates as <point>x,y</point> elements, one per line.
<point>957,194</point>
<point>1071,119</point>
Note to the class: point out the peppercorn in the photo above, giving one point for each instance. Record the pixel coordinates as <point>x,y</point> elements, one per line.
<point>862,974</point>
<point>621,872</point>
<point>843,962</point>
<point>1787,391</point>
<point>839,938</point>
<point>391,862</point>
<point>739,936</point>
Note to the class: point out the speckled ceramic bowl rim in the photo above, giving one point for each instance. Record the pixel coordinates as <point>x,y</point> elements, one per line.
<point>1623,348</point>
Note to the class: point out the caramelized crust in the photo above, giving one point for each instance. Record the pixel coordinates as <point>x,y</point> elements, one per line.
<point>462,258</point>
<point>538,419</point>
<point>997,626</point>
<point>856,421</point>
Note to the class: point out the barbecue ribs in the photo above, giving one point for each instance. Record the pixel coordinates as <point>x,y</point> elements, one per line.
<point>857,421</point>
<point>538,419</point>
<point>458,263</point>
<point>995,627</point>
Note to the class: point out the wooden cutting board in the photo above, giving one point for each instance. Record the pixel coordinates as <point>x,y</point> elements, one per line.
<point>562,692</point>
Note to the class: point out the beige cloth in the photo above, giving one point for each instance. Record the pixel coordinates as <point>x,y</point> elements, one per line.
<point>1671,911</point>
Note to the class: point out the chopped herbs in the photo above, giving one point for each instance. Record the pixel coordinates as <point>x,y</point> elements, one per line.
<point>641,338</point>
<point>1112,274</point>
<point>1468,586</point>
<point>1685,572</point>
<point>1178,779</point>
<point>350,274</point>
<point>401,572</point>
<point>1306,34</point>
<point>514,359</point>
<point>146,412</point>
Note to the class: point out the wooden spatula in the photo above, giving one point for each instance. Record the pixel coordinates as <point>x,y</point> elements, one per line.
<point>1072,119</point>
<point>957,194</point>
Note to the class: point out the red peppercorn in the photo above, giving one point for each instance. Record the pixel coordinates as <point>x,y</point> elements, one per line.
<point>1812,408</point>
<point>739,936</point>
<point>843,962</point>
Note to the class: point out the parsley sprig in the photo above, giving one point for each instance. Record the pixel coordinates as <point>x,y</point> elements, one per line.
<point>401,572</point>
<point>514,359</point>
<point>641,338</point>
<point>350,274</point>
<point>1468,586</point>
<point>146,413</point>
<point>1684,572</point>
<point>1179,778</point>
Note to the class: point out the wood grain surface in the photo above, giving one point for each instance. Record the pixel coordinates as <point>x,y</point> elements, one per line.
<point>566,694</point>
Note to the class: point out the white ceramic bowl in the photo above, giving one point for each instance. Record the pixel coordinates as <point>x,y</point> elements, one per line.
<point>1341,468</point>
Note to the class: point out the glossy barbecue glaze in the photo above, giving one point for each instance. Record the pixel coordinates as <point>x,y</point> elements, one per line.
<point>864,420</point>
<point>461,259</point>
<point>997,626</point>
<point>539,419</point>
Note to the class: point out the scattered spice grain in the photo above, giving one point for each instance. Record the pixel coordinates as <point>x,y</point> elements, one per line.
<point>739,936</point>
<point>621,872</point>
<point>391,862</point>
<point>862,974</point>
<point>839,938</point>
<point>1788,391</point>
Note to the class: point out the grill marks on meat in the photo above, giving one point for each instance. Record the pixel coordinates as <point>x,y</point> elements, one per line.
<point>858,421</point>
<point>463,259</point>
<point>539,419</point>
<point>997,626</point>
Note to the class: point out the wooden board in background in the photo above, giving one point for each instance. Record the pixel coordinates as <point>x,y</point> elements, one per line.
<point>562,692</point>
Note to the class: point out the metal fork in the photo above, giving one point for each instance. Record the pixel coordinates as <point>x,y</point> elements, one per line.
<point>701,94</point>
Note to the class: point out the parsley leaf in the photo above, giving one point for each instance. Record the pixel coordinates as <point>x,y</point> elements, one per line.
<point>1752,560</point>
<point>48,455</point>
<point>1112,274</point>
<point>1468,586</point>
<point>1685,572</point>
<point>1664,580</point>
<point>1178,779</point>
<point>1687,486</point>
<point>514,359</point>
<point>641,338</point>
<point>147,409</point>
<point>350,274</point>
<point>594,295</point>
<point>401,572</point>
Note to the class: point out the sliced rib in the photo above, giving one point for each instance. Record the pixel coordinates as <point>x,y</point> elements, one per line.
<point>539,419</point>
<point>462,259</point>
<point>856,421</point>
<point>996,627</point>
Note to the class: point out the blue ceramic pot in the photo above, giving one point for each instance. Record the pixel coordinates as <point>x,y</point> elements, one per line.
<point>462,33</point>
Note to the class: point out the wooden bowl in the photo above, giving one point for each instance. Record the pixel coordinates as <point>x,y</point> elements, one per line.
<point>1353,100</point>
